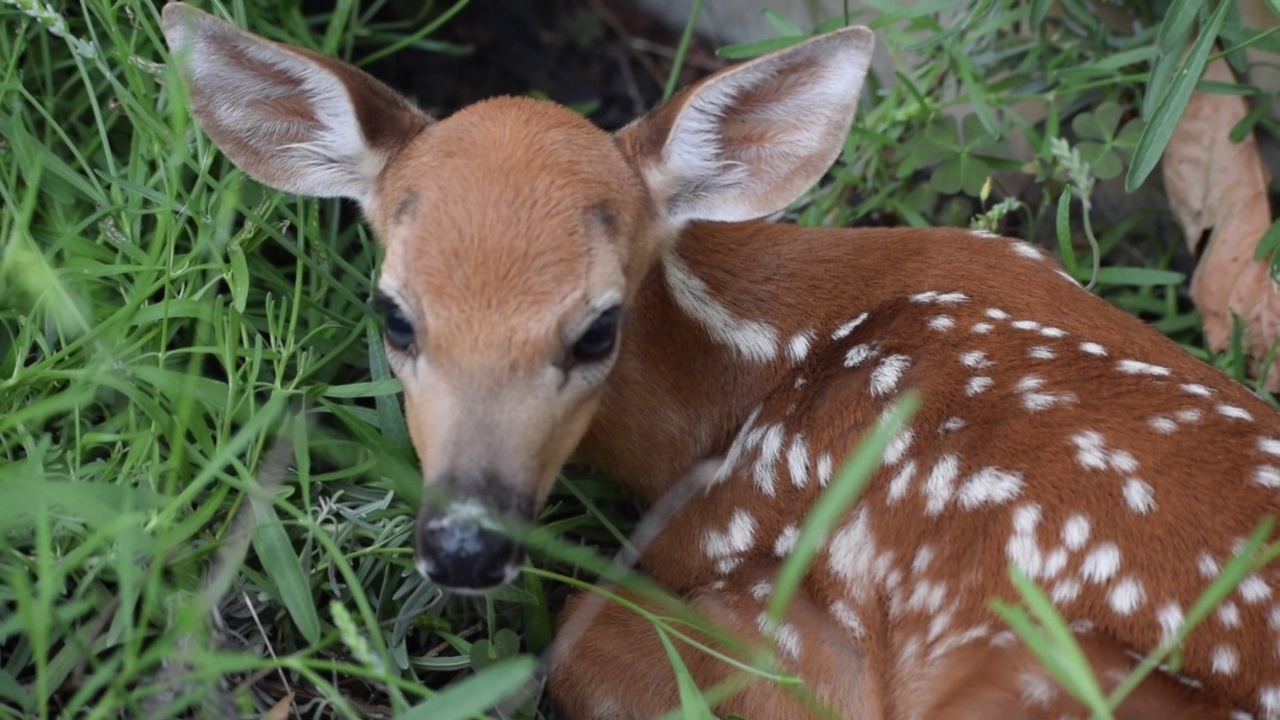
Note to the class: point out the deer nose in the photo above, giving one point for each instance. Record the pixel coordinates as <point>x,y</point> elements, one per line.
<point>461,549</point>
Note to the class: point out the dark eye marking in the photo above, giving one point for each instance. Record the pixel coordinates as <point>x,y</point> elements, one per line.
<point>396,328</point>
<point>597,342</point>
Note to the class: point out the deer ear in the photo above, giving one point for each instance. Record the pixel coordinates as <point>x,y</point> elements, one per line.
<point>750,139</point>
<point>290,118</point>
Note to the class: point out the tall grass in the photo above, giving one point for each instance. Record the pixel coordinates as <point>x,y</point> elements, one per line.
<point>206,483</point>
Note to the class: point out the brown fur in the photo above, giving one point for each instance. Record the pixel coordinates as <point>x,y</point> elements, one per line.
<point>506,225</point>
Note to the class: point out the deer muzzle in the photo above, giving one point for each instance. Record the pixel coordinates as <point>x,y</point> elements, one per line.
<point>463,540</point>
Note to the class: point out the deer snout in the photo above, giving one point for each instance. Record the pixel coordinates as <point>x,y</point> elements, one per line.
<point>463,546</point>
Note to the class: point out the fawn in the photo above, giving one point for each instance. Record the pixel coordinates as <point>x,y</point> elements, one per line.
<point>550,289</point>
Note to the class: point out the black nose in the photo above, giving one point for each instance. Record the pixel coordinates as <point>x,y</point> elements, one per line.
<point>464,554</point>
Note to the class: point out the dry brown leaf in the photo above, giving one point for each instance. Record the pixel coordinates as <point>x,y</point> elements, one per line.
<point>1218,186</point>
<point>280,711</point>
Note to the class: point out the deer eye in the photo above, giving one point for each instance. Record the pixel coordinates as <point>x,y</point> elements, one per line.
<point>598,342</point>
<point>397,330</point>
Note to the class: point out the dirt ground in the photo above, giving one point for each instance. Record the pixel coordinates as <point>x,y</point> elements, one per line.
<point>573,51</point>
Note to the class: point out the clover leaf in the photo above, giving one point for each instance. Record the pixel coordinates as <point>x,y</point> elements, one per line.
<point>1106,150</point>
<point>963,166</point>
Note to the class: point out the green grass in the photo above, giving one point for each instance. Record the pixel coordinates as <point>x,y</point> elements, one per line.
<point>206,484</point>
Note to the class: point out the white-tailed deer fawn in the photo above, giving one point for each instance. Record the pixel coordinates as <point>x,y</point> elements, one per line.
<point>550,288</point>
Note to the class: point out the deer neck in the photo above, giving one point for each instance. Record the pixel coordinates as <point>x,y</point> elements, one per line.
<point>712,332</point>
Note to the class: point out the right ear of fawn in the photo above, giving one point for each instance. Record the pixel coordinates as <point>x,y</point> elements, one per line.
<point>1055,432</point>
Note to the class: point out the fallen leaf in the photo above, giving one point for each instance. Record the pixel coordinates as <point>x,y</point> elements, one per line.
<point>280,711</point>
<point>1220,187</point>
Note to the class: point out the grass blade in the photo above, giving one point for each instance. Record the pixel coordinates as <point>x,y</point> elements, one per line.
<point>1155,137</point>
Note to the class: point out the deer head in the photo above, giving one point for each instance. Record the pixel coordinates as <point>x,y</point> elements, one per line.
<point>515,237</point>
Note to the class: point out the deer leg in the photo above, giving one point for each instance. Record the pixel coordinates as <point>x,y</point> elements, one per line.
<point>610,664</point>
<point>1006,681</point>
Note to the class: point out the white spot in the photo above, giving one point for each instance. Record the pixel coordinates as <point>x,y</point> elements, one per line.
<point>1004,638</point>
<point>924,556</point>
<point>939,624</point>
<point>1267,476</point>
<point>1207,565</point>
<point>927,596</point>
<point>1189,415</point>
<point>951,424</point>
<point>955,640</point>
<point>1025,324</point>
<point>977,385</point>
<point>737,539</point>
<point>1271,446</point>
<point>1127,595</point>
<point>784,635</point>
<point>1064,591</point>
<point>1037,690</point>
<point>798,461</point>
<point>748,438</point>
<point>1053,563</point>
<point>824,469</point>
<point>886,375</point>
<point>1053,332</point>
<point>1026,518</point>
<point>975,360</point>
<point>1196,389</point>
<point>1029,383</point>
<point>844,330</point>
<point>761,590</point>
<point>1234,412</point>
<point>847,617</point>
<point>1123,461</point>
<point>989,486</point>
<point>983,233</point>
<point>1075,532</point>
<point>852,554</point>
<point>1035,401</point>
<point>786,541</point>
<point>1163,425</point>
<point>1041,352</point>
<point>898,446</point>
<point>927,296</point>
<point>1093,348</point>
<point>753,339</point>
<point>1022,548</point>
<point>1026,250</point>
<point>1139,495</point>
<point>1228,614</point>
<point>1137,367</point>
<point>951,298</point>
<point>938,487</point>
<point>765,467</point>
<point>981,328</point>
<point>1101,564</point>
<point>942,323</point>
<point>798,345</point>
<point>859,354</point>
<point>996,314</point>
<point>1254,590</point>
<point>1225,660</point>
<point>1273,619</point>
<point>1171,618</point>
<point>1089,450</point>
<point>901,482</point>
<point>1269,699</point>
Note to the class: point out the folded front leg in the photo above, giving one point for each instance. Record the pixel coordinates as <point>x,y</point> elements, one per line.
<point>609,663</point>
